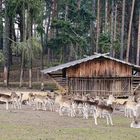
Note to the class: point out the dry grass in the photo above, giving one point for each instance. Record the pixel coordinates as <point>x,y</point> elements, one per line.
<point>27,124</point>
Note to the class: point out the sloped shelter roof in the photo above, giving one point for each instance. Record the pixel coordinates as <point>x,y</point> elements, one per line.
<point>76,62</point>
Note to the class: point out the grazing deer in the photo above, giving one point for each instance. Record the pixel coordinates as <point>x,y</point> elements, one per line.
<point>50,102</point>
<point>16,100</point>
<point>86,109</point>
<point>6,99</point>
<point>135,124</point>
<point>64,102</point>
<point>105,111</point>
<point>40,101</point>
<point>111,99</point>
<point>13,98</point>
<point>89,107</point>
<point>77,106</point>
<point>136,119</point>
<point>129,108</point>
<point>128,103</point>
<point>120,101</point>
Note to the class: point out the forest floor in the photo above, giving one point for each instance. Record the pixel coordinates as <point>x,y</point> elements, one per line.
<point>29,124</point>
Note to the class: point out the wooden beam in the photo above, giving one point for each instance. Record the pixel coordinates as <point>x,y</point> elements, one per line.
<point>62,89</point>
<point>136,87</point>
<point>101,53</point>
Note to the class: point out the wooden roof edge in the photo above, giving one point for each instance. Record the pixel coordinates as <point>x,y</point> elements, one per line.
<point>88,58</point>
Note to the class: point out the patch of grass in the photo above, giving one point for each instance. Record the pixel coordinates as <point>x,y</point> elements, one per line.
<point>28,132</point>
<point>35,125</point>
<point>97,133</point>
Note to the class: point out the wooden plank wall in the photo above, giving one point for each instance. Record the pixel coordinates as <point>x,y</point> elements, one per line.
<point>100,67</point>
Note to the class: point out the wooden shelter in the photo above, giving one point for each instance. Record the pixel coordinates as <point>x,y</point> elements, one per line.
<point>97,75</point>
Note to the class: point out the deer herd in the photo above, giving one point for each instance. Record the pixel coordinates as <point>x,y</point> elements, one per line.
<point>77,105</point>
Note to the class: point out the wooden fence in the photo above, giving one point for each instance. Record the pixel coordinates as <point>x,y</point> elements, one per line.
<point>100,85</point>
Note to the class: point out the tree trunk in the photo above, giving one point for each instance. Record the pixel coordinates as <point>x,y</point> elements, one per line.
<point>115,29</point>
<point>11,29</point>
<point>92,29</point>
<point>78,4</point>
<point>21,70</point>
<point>5,76</point>
<point>106,16</point>
<point>23,38</point>
<point>66,12</point>
<point>21,77</point>
<point>42,63</point>
<point>47,30</point>
<point>112,27</point>
<point>6,45</point>
<point>129,31</point>
<point>52,32</point>
<point>1,26</point>
<point>29,32</point>
<point>122,31</point>
<point>98,26</point>
<point>30,77</point>
<point>138,46</point>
